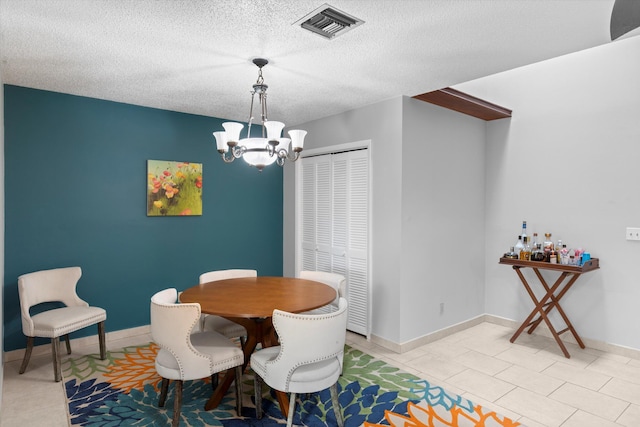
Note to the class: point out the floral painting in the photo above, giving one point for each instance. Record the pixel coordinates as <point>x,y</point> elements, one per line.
<point>174,188</point>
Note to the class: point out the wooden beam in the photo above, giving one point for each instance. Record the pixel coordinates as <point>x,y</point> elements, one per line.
<point>465,103</point>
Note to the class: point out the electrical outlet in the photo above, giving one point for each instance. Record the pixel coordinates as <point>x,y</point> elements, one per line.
<point>633,233</point>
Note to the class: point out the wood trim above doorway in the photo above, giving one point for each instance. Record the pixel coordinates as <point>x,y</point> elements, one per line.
<point>464,103</point>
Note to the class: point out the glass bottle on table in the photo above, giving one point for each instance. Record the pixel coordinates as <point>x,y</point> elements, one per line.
<point>524,230</point>
<point>547,246</point>
<point>525,253</point>
<point>519,246</point>
<point>537,254</point>
<point>558,249</point>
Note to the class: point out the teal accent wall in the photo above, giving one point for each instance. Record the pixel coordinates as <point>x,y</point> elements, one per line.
<point>75,194</point>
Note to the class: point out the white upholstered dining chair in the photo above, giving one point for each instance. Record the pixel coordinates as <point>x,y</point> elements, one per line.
<point>308,359</point>
<point>185,355</point>
<point>336,281</point>
<point>56,285</point>
<point>210,322</point>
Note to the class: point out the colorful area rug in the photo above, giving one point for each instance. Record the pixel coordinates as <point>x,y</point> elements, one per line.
<point>123,391</point>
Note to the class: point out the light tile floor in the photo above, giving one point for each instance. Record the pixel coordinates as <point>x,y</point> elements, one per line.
<point>529,381</point>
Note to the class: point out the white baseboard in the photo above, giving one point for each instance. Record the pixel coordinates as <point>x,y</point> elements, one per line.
<point>45,349</point>
<point>542,330</point>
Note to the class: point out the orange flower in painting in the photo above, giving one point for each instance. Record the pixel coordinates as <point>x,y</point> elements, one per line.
<point>179,174</point>
<point>157,203</point>
<point>199,184</point>
<point>135,369</point>
<point>424,415</point>
<point>166,173</point>
<point>170,191</point>
<point>186,212</point>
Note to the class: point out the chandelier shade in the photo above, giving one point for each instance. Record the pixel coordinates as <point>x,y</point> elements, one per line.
<point>262,151</point>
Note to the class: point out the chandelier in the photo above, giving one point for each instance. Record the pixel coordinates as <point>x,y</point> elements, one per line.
<point>269,148</point>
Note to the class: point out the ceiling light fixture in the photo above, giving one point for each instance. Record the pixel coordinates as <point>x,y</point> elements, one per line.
<point>269,148</point>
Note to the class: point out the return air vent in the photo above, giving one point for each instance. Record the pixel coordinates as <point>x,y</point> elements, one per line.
<point>328,22</point>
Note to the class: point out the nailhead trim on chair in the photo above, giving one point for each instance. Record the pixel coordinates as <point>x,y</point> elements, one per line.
<point>70,327</point>
<point>315,317</point>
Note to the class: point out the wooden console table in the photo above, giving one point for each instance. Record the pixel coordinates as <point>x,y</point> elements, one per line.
<point>552,297</point>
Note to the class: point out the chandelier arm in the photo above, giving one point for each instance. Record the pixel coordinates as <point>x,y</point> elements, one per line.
<point>227,159</point>
<point>238,151</point>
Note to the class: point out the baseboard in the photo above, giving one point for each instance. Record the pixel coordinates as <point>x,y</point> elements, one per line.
<point>542,330</point>
<point>45,349</point>
<point>426,339</point>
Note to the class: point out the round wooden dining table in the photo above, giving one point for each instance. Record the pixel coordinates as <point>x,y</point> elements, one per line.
<point>250,301</point>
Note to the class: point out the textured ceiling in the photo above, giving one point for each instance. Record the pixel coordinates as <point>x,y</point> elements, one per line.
<point>195,56</point>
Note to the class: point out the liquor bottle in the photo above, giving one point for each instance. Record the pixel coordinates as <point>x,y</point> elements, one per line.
<point>553,256</point>
<point>519,246</point>
<point>564,255</point>
<point>534,243</point>
<point>525,253</point>
<point>547,246</point>
<point>511,254</point>
<point>537,253</point>
<point>558,249</point>
<point>524,230</point>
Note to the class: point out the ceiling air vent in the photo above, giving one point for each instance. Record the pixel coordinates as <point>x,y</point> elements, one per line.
<point>328,22</point>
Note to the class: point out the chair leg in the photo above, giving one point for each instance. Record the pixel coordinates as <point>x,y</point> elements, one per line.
<point>214,381</point>
<point>164,387</point>
<point>239,390</point>
<point>27,355</point>
<point>66,340</point>
<point>57,366</point>
<point>257,388</point>
<point>336,404</point>
<point>243,340</point>
<point>177,402</point>
<point>103,345</point>
<point>292,408</point>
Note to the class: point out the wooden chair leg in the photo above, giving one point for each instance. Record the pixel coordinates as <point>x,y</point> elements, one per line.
<point>27,355</point>
<point>177,402</point>
<point>103,345</point>
<point>257,388</point>
<point>66,340</point>
<point>164,388</point>
<point>292,409</point>
<point>242,341</point>
<point>214,381</point>
<point>336,404</point>
<point>57,368</point>
<point>239,390</point>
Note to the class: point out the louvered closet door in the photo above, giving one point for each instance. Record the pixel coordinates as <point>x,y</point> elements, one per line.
<point>335,222</point>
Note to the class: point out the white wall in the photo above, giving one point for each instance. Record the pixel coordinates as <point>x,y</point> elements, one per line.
<point>428,203</point>
<point>382,124</point>
<point>569,163</point>
<point>442,218</point>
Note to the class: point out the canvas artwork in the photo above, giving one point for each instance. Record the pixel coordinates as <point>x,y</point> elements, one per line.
<point>174,188</point>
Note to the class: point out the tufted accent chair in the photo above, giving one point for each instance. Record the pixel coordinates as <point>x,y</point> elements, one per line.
<point>308,359</point>
<point>187,356</point>
<point>57,285</point>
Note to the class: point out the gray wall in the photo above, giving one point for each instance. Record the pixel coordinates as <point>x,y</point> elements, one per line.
<point>427,197</point>
<point>568,162</point>
<point>442,219</point>
<point>382,124</point>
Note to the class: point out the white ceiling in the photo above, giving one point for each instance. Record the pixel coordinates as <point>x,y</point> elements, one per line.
<point>194,56</point>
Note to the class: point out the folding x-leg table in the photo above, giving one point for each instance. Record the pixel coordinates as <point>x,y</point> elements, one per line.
<point>551,299</point>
